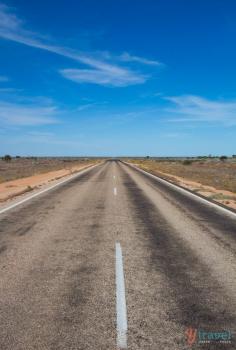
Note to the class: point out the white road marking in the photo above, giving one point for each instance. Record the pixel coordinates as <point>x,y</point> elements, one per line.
<point>121,311</point>
<point>45,190</point>
<point>115,191</point>
<point>186,192</point>
<point>114,177</point>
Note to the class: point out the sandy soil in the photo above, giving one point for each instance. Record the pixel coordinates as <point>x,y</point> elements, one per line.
<point>10,189</point>
<point>221,196</point>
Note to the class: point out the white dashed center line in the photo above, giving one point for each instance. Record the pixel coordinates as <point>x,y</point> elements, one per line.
<point>121,311</point>
<point>115,191</point>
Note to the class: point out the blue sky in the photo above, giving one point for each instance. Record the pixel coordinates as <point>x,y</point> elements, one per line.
<point>153,77</point>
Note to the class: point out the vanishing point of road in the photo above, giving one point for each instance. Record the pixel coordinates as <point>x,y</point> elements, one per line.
<point>115,258</point>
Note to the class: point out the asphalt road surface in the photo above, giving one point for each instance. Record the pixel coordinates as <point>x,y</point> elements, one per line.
<point>60,254</point>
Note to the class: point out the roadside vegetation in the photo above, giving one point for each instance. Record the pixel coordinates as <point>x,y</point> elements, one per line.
<point>12,168</point>
<point>218,172</point>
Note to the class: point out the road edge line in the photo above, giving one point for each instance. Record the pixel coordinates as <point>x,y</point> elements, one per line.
<point>185,191</point>
<point>47,189</point>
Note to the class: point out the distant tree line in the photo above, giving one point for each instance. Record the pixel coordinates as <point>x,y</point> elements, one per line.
<point>7,158</point>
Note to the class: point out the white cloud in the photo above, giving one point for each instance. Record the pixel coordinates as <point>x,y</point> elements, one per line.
<point>102,72</point>
<point>9,90</point>
<point>26,115</point>
<point>126,57</point>
<point>84,107</point>
<point>40,133</point>
<point>198,109</point>
<point>3,78</point>
<point>36,136</point>
<point>102,77</point>
<point>173,135</point>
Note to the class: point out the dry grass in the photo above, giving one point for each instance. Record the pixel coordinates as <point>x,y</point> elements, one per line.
<point>22,167</point>
<point>210,172</point>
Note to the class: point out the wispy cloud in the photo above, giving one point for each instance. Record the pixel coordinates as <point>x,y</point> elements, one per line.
<point>84,107</point>
<point>101,72</point>
<point>9,90</point>
<point>3,78</point>
<point>126,57</point>
<point>27,115</point>
<point>198,109</point>
<point>173,135</point>
<point>40,133</point>
<point>103,77</point>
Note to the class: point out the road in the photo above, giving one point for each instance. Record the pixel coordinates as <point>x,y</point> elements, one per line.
<point>58,265</point>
